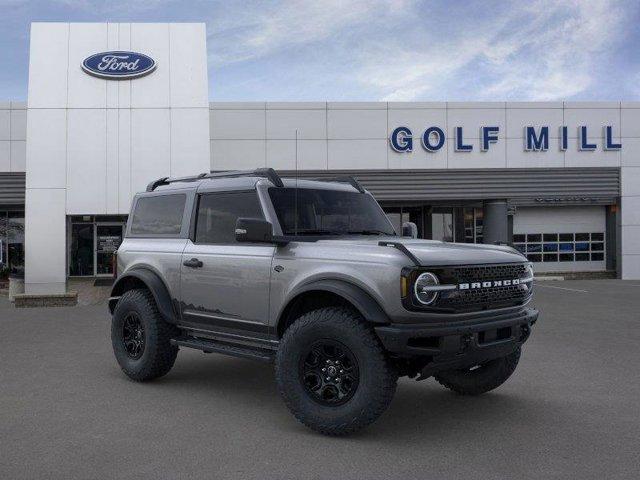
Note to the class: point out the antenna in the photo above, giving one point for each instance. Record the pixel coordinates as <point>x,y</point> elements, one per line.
<point>295,201</point>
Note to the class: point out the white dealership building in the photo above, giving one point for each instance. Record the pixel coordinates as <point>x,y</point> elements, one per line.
<point>114,106</point>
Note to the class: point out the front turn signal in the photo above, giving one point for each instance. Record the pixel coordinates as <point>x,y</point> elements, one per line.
<point>404,289</point>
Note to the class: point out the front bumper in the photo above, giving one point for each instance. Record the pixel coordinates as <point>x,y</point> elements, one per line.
<point>459,344</point>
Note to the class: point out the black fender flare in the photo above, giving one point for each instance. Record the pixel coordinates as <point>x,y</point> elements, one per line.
<point>368,307</point>
<point>153,283</point>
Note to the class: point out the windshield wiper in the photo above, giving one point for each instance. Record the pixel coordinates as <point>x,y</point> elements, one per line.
<point>315,231</point>
<point>369,232</point>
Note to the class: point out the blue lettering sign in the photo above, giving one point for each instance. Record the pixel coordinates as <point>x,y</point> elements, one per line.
<point>534,142</point>
<point>426,139</point>
<point>460,146</point>
<point>401,139</point>
<point>536,139</point>
<point>584,140</point>
<point>608,139</point>
<point>564,138</point>
<point>118,65</point>
<point>488,135</point>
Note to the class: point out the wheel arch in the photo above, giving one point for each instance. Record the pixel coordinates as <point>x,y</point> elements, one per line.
<point>323,293</point>
<point>144,278</point>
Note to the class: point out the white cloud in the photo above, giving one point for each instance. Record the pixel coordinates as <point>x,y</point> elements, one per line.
<point>569,50</point>
<point>258,30</point>
<point>103,7</point>
<point>546,50</point>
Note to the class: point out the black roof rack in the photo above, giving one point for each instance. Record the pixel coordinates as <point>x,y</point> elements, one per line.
<point>269,173</point>
<point>343,179</point>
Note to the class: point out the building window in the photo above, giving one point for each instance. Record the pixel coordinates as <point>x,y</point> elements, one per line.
<point>81,250</point>
<point>399,215</point>
<point>91,243</point>
<point>561,247</point>
<point>442,225</point>
<point>11,242</point>
<point>473,220</point>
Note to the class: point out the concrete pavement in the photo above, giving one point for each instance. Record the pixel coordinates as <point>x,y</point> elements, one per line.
<point>571,410</point>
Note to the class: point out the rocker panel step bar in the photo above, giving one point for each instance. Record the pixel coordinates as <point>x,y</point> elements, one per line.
<point>211,346</point>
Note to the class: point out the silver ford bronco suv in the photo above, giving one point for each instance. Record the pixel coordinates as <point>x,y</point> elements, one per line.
<point>310,275</point>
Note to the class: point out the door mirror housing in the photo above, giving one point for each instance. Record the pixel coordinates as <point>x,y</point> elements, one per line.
<point>254,230</point>
<point>409,229</point>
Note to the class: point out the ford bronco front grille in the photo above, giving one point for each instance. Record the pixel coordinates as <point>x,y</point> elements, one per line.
<point>483,286</point>
<point>479,273</point>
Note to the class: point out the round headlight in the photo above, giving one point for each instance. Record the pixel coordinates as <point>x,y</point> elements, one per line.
<point>529,277</point>
<point>530,270</point>
<point>422,290</point>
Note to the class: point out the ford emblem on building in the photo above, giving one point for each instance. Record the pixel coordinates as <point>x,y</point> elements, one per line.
<point>118,65</point>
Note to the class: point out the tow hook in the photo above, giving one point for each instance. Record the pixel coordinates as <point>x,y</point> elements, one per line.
<point>465,341</point>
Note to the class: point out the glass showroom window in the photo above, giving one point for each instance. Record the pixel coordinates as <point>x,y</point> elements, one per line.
<point>561,247</point>
<point>473,220</point>
<point>11,243</point>
<point>4,266</point>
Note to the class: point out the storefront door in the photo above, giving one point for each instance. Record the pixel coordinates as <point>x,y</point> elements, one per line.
<point>108,238</point>
<point>81,251</point>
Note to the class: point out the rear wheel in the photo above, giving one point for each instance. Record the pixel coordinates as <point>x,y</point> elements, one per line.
<point>480,378</point>
<point>140,337</point>
<point>333,373</point>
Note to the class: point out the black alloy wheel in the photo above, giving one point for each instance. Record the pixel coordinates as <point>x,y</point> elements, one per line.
<point>329,373</point>
<point>133,336</point>
<point>332,371</point>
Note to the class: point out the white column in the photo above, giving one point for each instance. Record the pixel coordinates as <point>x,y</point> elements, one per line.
<point>45,241</point>
<point>630,199</point>
<point>93,143</point>
<point>630,223</point>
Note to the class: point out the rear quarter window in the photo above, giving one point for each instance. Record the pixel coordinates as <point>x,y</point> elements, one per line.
<point>158,215</point>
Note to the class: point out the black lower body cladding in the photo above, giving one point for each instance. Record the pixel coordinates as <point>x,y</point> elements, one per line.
<point>459,344</point>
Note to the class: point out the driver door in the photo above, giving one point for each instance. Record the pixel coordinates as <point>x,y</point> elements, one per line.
<point>225,284</point>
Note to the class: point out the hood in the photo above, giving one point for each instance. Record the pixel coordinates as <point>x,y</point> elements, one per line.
<point>431,252</point>
<point>437,253</point>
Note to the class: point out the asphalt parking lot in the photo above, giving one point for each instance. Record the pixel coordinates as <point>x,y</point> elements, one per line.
<point>571,410</point>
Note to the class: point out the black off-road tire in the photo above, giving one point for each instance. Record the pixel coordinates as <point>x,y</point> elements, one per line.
<point>377,378</point>
<point>482,379</point>
<point>158,355</point>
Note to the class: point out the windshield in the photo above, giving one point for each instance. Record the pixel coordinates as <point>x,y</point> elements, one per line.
<point>328,212</point>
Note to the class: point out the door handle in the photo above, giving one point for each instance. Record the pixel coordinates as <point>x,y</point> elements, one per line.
<point>193,263</point>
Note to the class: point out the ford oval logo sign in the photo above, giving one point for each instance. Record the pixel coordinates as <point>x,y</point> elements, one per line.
<point>118,65</point>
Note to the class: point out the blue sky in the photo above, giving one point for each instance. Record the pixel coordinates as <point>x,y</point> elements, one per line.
<point>361,50</point>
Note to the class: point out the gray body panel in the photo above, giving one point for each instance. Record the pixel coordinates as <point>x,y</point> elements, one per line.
<point>160,255</point>
<point>376,270</point>
<point>213,292</point>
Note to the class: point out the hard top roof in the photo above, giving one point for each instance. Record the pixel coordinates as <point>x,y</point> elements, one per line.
<point>248,179</point>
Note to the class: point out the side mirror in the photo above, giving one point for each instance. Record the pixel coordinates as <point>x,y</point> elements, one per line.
<point>254,230</point>
<point>409,229</point>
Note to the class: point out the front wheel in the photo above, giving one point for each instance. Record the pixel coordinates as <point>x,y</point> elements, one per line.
<point>333,373</point>
<point>480,378</point>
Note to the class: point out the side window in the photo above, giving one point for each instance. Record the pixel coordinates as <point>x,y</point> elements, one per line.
<point>158,215</point>
<point>218,212</point>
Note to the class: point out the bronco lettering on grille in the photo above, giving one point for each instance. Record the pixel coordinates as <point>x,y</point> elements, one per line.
<point>493,283</point>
